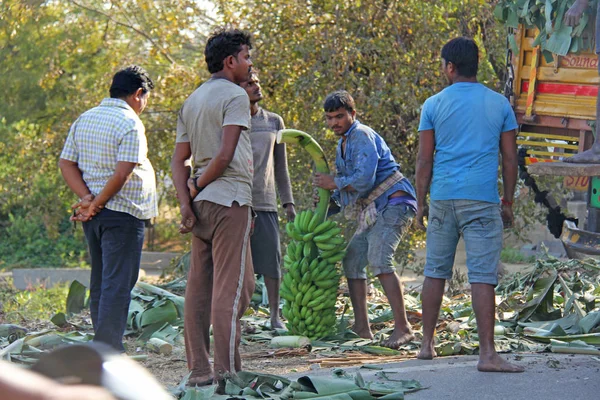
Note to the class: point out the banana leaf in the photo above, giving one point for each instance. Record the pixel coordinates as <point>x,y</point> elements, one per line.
<point>76,298</point>
<point>575,347</point>
<point>548,15</point>
<point>200,393</point>
<point>59,320</point>
<point>590,338</point>
<point>569,324</point>
<point>589,322</point>
<point>165,312</point>
<point>560,41</point>
<point>571,299</point>
<point>169,334</point>
<point>178,301</point>
<point>321,387</point>
<point>540,300</point>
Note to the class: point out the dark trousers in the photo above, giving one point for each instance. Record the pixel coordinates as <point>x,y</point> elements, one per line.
<point>115,241</point>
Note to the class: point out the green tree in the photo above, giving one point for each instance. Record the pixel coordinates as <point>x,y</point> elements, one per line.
<point>56,61</point>
<point>386,53</point>
<point>57,58</point>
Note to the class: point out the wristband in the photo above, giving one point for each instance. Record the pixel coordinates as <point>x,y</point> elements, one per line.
<point>506,202</point>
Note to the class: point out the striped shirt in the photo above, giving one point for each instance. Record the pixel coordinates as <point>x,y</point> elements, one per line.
<point>100,138</point>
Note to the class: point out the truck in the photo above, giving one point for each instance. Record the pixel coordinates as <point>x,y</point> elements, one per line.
<point>554,97</point>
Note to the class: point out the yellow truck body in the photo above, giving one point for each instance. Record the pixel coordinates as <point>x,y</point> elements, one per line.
<point>555,102</point>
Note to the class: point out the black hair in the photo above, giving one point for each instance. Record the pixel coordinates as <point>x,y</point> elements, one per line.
<point>464,53</point>
<point>222,44</point>
<point>337,100</point>
<point>253,74</point>
<point>128,80</point>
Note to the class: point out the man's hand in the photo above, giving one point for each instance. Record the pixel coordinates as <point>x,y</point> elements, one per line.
<point>290,211</point>
<point>188,218</point>
<point>85,209</point>
<point>574,13</point>
<point>422,212</point>
<point>508,217</point>
<point>324,181</point>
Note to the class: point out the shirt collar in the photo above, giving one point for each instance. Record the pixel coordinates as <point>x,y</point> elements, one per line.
<point>352,127</point>
<point>111,102</point>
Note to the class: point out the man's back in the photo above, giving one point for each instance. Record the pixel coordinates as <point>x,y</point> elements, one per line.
<point>215,104</point>
<point>103,136</point>
<point>467,119</point>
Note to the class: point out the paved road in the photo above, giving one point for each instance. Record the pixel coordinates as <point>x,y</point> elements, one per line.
<point>548,376</point>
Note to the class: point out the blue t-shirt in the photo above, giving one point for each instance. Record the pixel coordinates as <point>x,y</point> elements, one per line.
<point>467,120</point>
<point>368,162</point>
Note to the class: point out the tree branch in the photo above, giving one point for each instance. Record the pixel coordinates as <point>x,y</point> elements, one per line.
<point>144,34</point>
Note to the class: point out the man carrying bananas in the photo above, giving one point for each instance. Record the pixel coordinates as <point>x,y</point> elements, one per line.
<point>370,188</point>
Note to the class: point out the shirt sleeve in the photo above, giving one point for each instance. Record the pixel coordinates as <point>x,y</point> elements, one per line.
<point>426,122</point>
<point>510,121</point>
<point>133,147</point>
<point>237,112</point>
<point>70,151</point>
<point>364,154</point>
<point>182,133</point>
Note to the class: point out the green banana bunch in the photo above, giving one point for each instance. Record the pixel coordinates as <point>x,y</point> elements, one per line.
<point>311,283</point>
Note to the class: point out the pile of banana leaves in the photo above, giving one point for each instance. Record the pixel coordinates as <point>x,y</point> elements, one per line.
<point>555,36</point>
<point>555,306</point>
<point>341,385</point>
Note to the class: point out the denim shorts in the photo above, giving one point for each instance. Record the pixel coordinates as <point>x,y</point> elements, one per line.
<point>480,225</point>
<point>376,246</point>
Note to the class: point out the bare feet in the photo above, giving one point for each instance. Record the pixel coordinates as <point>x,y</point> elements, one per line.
<point>192,188</point>
<point>427,352</point>
<point>398,338</point>
<point>364,333</point>
<point>203,380</point>
<point>276,323</point>
<point>495,363</point>
<point>590,156</point>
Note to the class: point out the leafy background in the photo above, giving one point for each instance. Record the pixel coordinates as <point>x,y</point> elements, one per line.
<point>57,58</point>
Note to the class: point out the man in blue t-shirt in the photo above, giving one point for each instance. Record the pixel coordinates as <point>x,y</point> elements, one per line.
<point>462,130</point>
<point>367,174</point>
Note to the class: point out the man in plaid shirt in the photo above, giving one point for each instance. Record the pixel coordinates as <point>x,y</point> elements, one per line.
<point>105,163</point>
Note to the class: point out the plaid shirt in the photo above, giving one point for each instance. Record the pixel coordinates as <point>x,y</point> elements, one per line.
<point>103,136</point>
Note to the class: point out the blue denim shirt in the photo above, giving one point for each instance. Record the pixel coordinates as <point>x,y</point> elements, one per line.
<point>368,162</point>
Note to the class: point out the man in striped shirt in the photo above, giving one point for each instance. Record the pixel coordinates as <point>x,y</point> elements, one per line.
<point>105,163</point>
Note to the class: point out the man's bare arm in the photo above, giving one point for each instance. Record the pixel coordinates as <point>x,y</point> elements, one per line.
<point>574,13</point>
<point>424,172</point>
<point>72,175</point>
<point>180,173</point>
<point>510,166</point>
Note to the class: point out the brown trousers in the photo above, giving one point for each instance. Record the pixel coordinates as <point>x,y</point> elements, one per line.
<point>220,285</point>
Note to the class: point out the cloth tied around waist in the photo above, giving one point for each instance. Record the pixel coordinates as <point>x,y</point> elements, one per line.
<point>364,210</point>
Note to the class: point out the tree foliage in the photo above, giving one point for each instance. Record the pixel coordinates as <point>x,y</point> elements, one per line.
<point>57,58</point>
